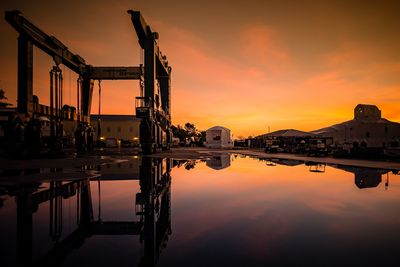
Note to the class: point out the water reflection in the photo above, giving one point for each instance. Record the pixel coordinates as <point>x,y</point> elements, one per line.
<point>219,162</point>
<point>366,178</point>
<point>152,208</point>
<point>363,177</point>
<point>227,211</point>
<point>251,214</point>
<point>316,167</point>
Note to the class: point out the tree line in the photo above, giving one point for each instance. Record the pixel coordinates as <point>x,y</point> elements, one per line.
<point>3,97</point>
<point>188,133</point>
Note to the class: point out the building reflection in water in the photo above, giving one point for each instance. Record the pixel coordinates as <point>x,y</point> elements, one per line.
<point>219,162</point>
<point>216,162</point>
<point>152,207</point>
<point>365,177</point>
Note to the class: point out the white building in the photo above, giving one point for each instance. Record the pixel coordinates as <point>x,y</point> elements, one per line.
<point>218,137</point>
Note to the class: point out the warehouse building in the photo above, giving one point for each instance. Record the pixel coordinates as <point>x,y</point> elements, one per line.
<point>117,127</point>
<point>367,129</point>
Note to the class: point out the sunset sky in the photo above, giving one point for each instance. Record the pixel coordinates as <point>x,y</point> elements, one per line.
<point>245,65</point>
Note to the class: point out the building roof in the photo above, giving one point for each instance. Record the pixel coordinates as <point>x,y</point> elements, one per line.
<point>350,124</point>
<point>218,128</point>
<point>288,133</point>
<point>108,117</point>
<point>367,106</point>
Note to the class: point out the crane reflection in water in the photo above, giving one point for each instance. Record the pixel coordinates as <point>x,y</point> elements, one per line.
<point>152,213</point>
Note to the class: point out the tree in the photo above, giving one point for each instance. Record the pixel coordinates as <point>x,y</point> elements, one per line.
<point>190,129</point>
<point>2,98</point>
<point>179,132</point>
<point>203,135</point>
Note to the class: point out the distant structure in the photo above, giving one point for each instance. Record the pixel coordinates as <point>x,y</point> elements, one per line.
<point>367,112</point>
<point>119,127</point>
<point>218,137</point>
<point>367,129</point>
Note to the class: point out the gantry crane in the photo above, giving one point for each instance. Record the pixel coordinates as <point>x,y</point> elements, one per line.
<point>153,105</point>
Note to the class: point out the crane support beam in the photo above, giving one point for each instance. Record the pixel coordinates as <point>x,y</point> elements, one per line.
<point>115,73</point>
<point>143,30</point>
<point>154,107</point>
<point>25,75</point>
<point>145,35</point>
<point>49,44</point>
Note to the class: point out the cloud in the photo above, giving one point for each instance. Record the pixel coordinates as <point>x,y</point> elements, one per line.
<point>353,74</point>
<point>256,81</point>
<point>260,46</point>
<point>230,85</point>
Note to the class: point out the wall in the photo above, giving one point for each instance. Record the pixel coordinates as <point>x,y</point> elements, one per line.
<point>373,134</point>
<point>122,130</point>
<point>223,142</point>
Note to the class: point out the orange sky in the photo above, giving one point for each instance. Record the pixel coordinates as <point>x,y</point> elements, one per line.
<point>245,65</point>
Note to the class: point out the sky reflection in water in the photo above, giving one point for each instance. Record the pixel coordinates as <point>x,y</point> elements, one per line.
<point>251,213</point>
<point>229,211</point>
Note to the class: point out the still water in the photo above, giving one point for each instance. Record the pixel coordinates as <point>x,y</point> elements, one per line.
<point>223,211</point>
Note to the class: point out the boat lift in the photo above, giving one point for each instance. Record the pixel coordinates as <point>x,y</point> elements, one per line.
<point>153,105</point>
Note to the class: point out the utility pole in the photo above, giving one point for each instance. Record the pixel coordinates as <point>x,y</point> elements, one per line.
<point>98,119</point>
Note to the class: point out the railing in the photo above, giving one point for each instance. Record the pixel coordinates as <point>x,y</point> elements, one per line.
<point>144,102</point>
